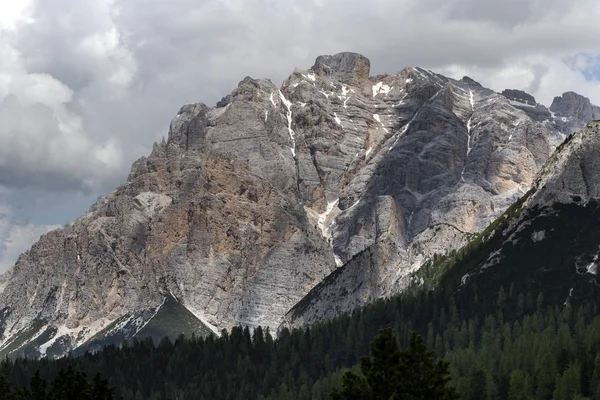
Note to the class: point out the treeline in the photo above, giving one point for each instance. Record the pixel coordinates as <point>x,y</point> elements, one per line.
<point>524,349</point>
<point>66,385</point>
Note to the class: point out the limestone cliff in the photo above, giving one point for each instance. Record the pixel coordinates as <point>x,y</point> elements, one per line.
<point>317,196</point>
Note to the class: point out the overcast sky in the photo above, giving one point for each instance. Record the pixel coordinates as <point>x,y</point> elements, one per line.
<point>87,86</point>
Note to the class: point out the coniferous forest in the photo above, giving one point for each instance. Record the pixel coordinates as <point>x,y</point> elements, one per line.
<point>516,347</point>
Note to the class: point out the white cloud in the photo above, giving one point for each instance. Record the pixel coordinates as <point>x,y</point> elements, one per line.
<point>13,12</point>
<point>15,238</point>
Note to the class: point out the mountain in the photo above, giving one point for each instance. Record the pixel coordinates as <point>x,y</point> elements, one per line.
<point>510,136</point>
<point>553,239</point>
<point>300,202</point>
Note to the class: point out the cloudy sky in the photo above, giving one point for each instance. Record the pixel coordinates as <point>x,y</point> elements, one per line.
<point>87,86</point>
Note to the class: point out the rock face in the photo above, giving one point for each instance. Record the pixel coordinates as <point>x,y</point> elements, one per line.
<point>573,111</point>
<point>572,174</point>
<point>318,197</point>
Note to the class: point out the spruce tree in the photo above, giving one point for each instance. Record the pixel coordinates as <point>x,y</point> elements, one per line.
<point>392,374</point>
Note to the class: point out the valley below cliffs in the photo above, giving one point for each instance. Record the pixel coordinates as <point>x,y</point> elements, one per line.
<point>285,206</point>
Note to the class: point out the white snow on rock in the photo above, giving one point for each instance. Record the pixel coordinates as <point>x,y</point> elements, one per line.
<point>378,119</point>
<point>472,99</point>
<point>323,221</point>
<point>310,76</point>
<point>381,88</point>
<point>326,94</point>
<point>337,119</point>
<point>338,260</point>
<point>288,105</point>
<point>518,103</point>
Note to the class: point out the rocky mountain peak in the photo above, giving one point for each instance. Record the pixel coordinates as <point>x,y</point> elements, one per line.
<point>573,171</point>
<point>347,67</point>
<point>573,111</point>
<point>572,104</point>
<point>470,81</point>
<point>519,96</point>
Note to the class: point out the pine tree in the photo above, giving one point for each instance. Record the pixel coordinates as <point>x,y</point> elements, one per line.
<point>37,386</point>
<point>568,385</point>
<point>595,379</point>
<point>399,375</point>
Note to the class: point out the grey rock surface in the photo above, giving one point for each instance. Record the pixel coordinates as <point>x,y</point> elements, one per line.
<point>573,111</point>
<point>519,96</point>
<point>572,174</point>
<point>455,157</point>
<point>288,204</point>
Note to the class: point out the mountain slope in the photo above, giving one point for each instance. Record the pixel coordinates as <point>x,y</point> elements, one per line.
<point>470,187</point>
<point>250,205</point>
<point>550,239</point>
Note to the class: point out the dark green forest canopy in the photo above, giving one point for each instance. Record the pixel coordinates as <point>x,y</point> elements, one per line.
<point>536,351</point>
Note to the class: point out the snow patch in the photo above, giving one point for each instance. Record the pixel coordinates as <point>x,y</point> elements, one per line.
<point>464,278</point>
<point>472,99</point>
<point>272,101</point>
<point>592,268</point>
<point>323,220</point>
<point>266,115</point>
<point>369,150</point>
<point>518,103</point>
<point>338,260</point>
<point>569,296</point>
<point>337,119</point>
<point>538,236</point>
<point>378,119</point>
<point>62,331</point>
<point>381,88</point>
<point>326,94</point>
<point>310,76</point>
<point>288,105</point>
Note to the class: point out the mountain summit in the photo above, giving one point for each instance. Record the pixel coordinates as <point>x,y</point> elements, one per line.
<point>290,204</point>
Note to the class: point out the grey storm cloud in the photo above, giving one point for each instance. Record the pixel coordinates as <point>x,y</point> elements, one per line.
<point>86,87</point>
<point>127,66</point>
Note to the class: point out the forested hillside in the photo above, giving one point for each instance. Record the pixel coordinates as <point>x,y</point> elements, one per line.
<point>525,349</point>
